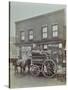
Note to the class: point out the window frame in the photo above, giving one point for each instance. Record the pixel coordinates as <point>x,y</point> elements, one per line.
<point>21,35</point>
<point>60,44</point>
<point>45,48</point>
<point>55,30</point>
<point>44,32</point>
<point>30,34</point>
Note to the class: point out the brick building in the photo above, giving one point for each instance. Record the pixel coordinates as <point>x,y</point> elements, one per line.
<point>42,31</point>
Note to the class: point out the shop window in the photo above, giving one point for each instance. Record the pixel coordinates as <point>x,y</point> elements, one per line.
<point>60,45</point>
<point>45,46</point>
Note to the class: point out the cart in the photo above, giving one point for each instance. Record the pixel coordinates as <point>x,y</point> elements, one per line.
<point>42,62</point>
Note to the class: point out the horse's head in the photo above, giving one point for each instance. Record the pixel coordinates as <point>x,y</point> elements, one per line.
<point>14,61</point>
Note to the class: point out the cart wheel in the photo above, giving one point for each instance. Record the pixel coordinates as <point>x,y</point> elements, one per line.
<point>49,68</point>
<point>35,70</point>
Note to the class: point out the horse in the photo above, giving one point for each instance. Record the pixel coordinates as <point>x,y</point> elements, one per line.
<point>22,64</point>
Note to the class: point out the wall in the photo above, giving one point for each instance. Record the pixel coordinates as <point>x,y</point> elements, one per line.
<point>37,22</point>
<point>14,51</point>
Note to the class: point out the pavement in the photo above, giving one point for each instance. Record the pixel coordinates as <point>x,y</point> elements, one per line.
<point>27,80</point>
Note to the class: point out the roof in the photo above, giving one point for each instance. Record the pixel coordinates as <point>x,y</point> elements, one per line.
<point>54,12</point>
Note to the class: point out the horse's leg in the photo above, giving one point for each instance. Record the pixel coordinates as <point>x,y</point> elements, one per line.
<point>28,68</point>
<point>21,66</point>
<point>24,66</point>
<point>15,69</point>
<point>28,65</point>
<point>20,69</point>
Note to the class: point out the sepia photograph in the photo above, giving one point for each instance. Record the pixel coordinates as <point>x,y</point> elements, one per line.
<point>37,44</point>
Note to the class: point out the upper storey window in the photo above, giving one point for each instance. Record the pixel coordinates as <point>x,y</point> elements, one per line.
<point>30,34</point>
<point>44,32</point>
<point>55,30</point>
<point>22,35</point>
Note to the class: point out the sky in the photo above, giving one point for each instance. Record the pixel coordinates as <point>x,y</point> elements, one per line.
<point>20,11</point>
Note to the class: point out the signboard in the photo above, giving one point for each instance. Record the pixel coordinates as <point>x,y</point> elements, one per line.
<point>53,46</point>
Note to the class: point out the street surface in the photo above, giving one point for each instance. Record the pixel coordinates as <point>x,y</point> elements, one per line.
<point>26,80</point>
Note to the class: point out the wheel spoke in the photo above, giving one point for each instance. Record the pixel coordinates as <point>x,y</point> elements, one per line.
<point>35,70</point>
<point>50,68</point>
